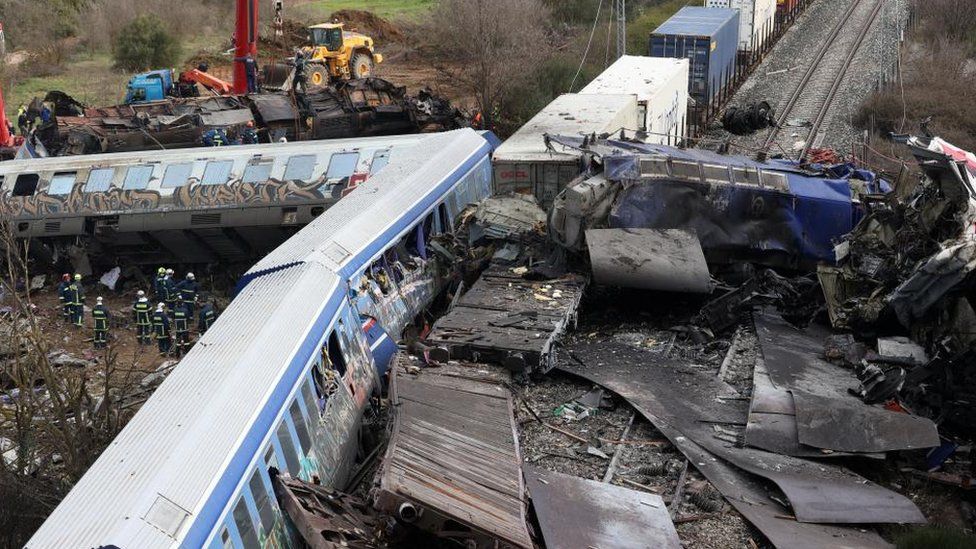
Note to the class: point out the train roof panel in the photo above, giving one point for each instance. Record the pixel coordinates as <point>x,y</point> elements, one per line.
<point>401,185</point>
<point>185,434</point>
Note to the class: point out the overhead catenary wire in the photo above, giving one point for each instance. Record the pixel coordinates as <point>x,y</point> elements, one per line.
<point>589,41</point>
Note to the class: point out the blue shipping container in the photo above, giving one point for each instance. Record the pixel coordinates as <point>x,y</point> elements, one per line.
<point>708,37</point>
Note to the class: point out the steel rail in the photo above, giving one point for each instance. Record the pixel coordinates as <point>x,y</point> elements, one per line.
<point>811,69</point>
<point>835,86</point>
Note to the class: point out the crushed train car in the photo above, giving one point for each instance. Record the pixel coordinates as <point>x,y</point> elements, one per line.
<point>355,108</point>
<point>774,213</point>
<point>217,204</point>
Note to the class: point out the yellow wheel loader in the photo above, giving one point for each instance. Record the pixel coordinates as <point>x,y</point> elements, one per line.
<point>336,53</point>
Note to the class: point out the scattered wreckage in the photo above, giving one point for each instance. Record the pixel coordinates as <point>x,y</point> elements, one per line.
<point>787,445</point>
<point>353,108</point>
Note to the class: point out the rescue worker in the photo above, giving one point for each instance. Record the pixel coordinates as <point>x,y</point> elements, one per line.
<point>170,293</point>
<point>187,290</point>
<point>76,300</point>
<point>251,72</point>
<point>161,328</point>
<point>215,138</point>
<point>181,325</point>
<point>142,311</point>
<point>248,135</point>
<point>208,314</point>
<point>300,79</point>
<point>45,113</point>
<point>158,284</point>
<point>23,121</point>
<point>101,317</point>
<point>63,296</point>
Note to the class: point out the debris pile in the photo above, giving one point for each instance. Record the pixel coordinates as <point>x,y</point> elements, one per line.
<point>749,118</point>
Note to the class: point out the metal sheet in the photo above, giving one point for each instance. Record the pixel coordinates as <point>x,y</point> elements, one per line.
<point>832,418</point>
<point>682,397</point>
<point>849,425</point>
<point>576,512</point>
<point>749,494</point>
<point>648,259</point>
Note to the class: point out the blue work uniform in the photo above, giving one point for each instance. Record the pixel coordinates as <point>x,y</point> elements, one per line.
<point>170,294</point>
<point>101,317</point>
<point>181,325</point>
<point>76,300</point>
<point>187,290</point>
<point>63,298</point>
<point>207,317</point>
<point>161,329</point>
<point>142,311</point>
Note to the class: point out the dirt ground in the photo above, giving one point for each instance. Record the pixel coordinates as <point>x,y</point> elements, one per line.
<point>77,342</point>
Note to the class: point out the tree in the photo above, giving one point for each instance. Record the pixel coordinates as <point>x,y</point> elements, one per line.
<point>145,44</point>
<point>491,45</point>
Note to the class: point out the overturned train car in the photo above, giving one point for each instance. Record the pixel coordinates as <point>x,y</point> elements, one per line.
<point>219,204</point>
<point>283,378</point>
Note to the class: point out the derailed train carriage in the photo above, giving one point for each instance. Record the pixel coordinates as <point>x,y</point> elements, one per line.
<point>230,205</point>
<point>282,379</point>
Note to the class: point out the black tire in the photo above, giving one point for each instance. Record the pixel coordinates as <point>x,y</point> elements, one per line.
<point>361,65</point>
<point>318,75</point>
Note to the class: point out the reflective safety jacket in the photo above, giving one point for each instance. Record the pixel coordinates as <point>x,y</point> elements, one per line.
<point>160,325</point>
<point>101,315</point>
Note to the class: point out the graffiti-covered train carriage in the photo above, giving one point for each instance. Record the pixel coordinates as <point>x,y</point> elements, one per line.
<point>226,204</point>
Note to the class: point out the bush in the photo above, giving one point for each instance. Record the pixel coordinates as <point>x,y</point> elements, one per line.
<point>935,536</point>
<point>145,44</point>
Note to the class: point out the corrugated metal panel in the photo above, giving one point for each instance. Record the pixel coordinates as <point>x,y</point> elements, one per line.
<point>178,443</point>
<point>358,219</point>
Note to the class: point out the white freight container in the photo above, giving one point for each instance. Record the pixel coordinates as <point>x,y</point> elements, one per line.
<point>661,87</point>
<point>756,19</point>
<point>524,164</point>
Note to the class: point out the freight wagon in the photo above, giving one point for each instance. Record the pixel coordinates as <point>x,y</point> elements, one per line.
<point>526,164</point>
<point>709,39</point>
<point>661,88</point>
<point>757,19</point>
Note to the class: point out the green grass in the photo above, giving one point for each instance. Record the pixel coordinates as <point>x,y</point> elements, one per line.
<point>413,10</point>
<point>926,537</point>
<point>88,78</point>
<point>639,28</point>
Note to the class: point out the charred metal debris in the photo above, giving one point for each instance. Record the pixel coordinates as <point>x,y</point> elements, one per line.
<point>783,345</point>
<point>354,108</point>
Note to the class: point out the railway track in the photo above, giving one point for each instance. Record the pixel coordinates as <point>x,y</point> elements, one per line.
<point>814,95</point>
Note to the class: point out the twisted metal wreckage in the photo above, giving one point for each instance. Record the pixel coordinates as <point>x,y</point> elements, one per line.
<point>354,108</point>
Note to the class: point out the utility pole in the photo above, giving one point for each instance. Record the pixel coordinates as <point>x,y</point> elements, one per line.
<point>620,6</point>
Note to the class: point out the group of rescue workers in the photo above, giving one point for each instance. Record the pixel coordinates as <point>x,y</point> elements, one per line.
<point>168,323</point>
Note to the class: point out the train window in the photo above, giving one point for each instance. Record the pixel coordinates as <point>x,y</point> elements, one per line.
<point>288,448</point>
<point>335,354</point>
<point>176,175</point>
<point>380,160</point>
<point>745,176</point>
<point>217,172</point>
<point>342,165</point>
<point>686,170</point>
<point>225,541</point>
<point>301,428</point>
<point>245,527</point>
<point>62,183</point>
<point>99,180</point>
<point>270,460</point>
<point>310,405</point>
<point>261,501</point>
<point>257,172</point>
<point>716,173</point>
<point>137,178</point>
<point>445,219</point>
<point>300,167</point>
<point>26,184</point>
